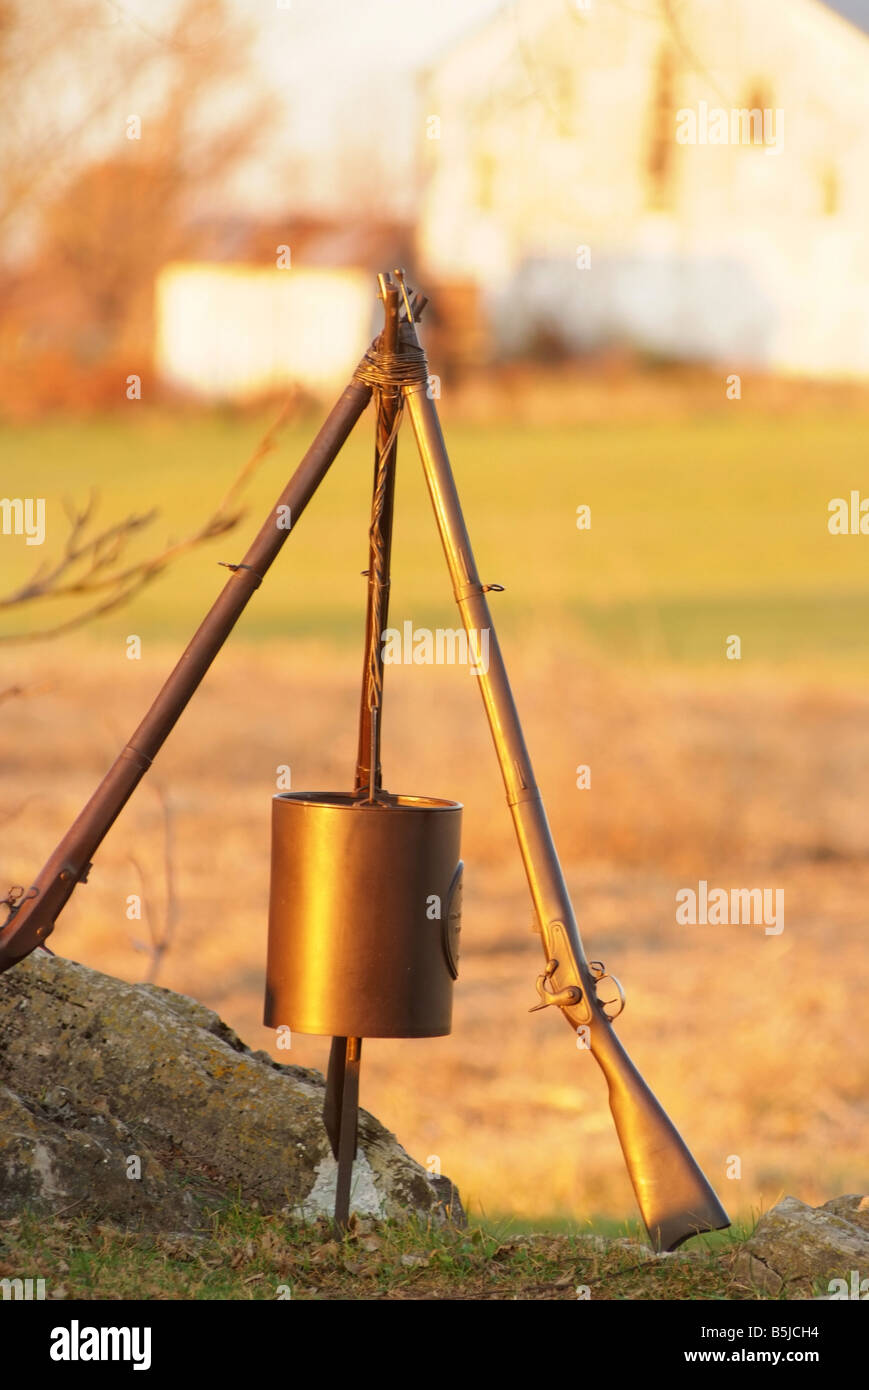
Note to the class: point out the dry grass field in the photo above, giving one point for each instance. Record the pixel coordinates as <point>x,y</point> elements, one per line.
<point>755,1043</point>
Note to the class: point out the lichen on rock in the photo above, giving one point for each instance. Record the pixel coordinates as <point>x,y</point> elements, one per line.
<point>96,1074</point>
<point>794,1247</point>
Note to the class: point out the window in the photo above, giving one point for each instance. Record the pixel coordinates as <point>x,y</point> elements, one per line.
<point>758,120</point>
<point>660,166</point>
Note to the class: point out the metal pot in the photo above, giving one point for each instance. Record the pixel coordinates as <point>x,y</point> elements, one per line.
<point>365,914</point>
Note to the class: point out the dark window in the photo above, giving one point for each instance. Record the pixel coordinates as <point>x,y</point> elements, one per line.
<point>760,128</point>
<point>660,165</point>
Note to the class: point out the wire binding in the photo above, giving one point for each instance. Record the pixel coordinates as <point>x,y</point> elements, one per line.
<point>387,371</point>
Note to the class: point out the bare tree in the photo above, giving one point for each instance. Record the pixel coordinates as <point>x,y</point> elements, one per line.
<point>56,85</point>
<point>102,198</point>
<point>69,76</point>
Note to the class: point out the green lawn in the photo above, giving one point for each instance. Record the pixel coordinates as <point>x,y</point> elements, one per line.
<point>700,529</point>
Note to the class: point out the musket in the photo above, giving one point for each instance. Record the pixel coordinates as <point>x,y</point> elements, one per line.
<point>674,1197</point>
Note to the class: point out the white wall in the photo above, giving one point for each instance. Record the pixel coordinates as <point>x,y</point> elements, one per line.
<point>743,264</point>
<point>235,331</point>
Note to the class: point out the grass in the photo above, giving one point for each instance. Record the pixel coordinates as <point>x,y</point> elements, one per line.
<point>701,527</point>
<point>249,1255</point>
<point>509,1225</point>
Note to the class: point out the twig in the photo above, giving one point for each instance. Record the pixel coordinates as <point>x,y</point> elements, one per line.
<point>97,558</point>
<point>13,692</point>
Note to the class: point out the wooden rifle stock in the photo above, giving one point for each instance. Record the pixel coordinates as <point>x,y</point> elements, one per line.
<point>674,1197</point>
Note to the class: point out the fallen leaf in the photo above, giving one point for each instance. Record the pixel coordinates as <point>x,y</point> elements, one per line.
<point>325,1252</point>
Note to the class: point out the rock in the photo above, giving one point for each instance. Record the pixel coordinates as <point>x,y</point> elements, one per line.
<point>603,1245</point>
<point>795,1247</point>
<point>96,1074</point>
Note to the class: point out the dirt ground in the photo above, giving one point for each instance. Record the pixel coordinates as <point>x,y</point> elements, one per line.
<point>751,1040</point>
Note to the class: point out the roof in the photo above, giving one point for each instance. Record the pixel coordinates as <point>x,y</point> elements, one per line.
<point>856,11</point>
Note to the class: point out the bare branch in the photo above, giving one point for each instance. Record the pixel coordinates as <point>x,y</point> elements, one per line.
<point>97,611</point>
<point>13,692</point>
<point>11,815</point>
<point>101,551</point>
<point>91,567</point>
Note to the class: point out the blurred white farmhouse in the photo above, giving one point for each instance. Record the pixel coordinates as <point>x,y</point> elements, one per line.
<point>238,331</point>
<point>562,178</point>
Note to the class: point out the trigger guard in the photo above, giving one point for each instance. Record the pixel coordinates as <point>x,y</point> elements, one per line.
<point>621,1001</point>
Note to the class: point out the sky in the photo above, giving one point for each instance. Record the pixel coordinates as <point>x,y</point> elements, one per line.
<point>340,69</point>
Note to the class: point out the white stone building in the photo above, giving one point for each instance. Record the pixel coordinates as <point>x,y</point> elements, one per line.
<point>595,167</point>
